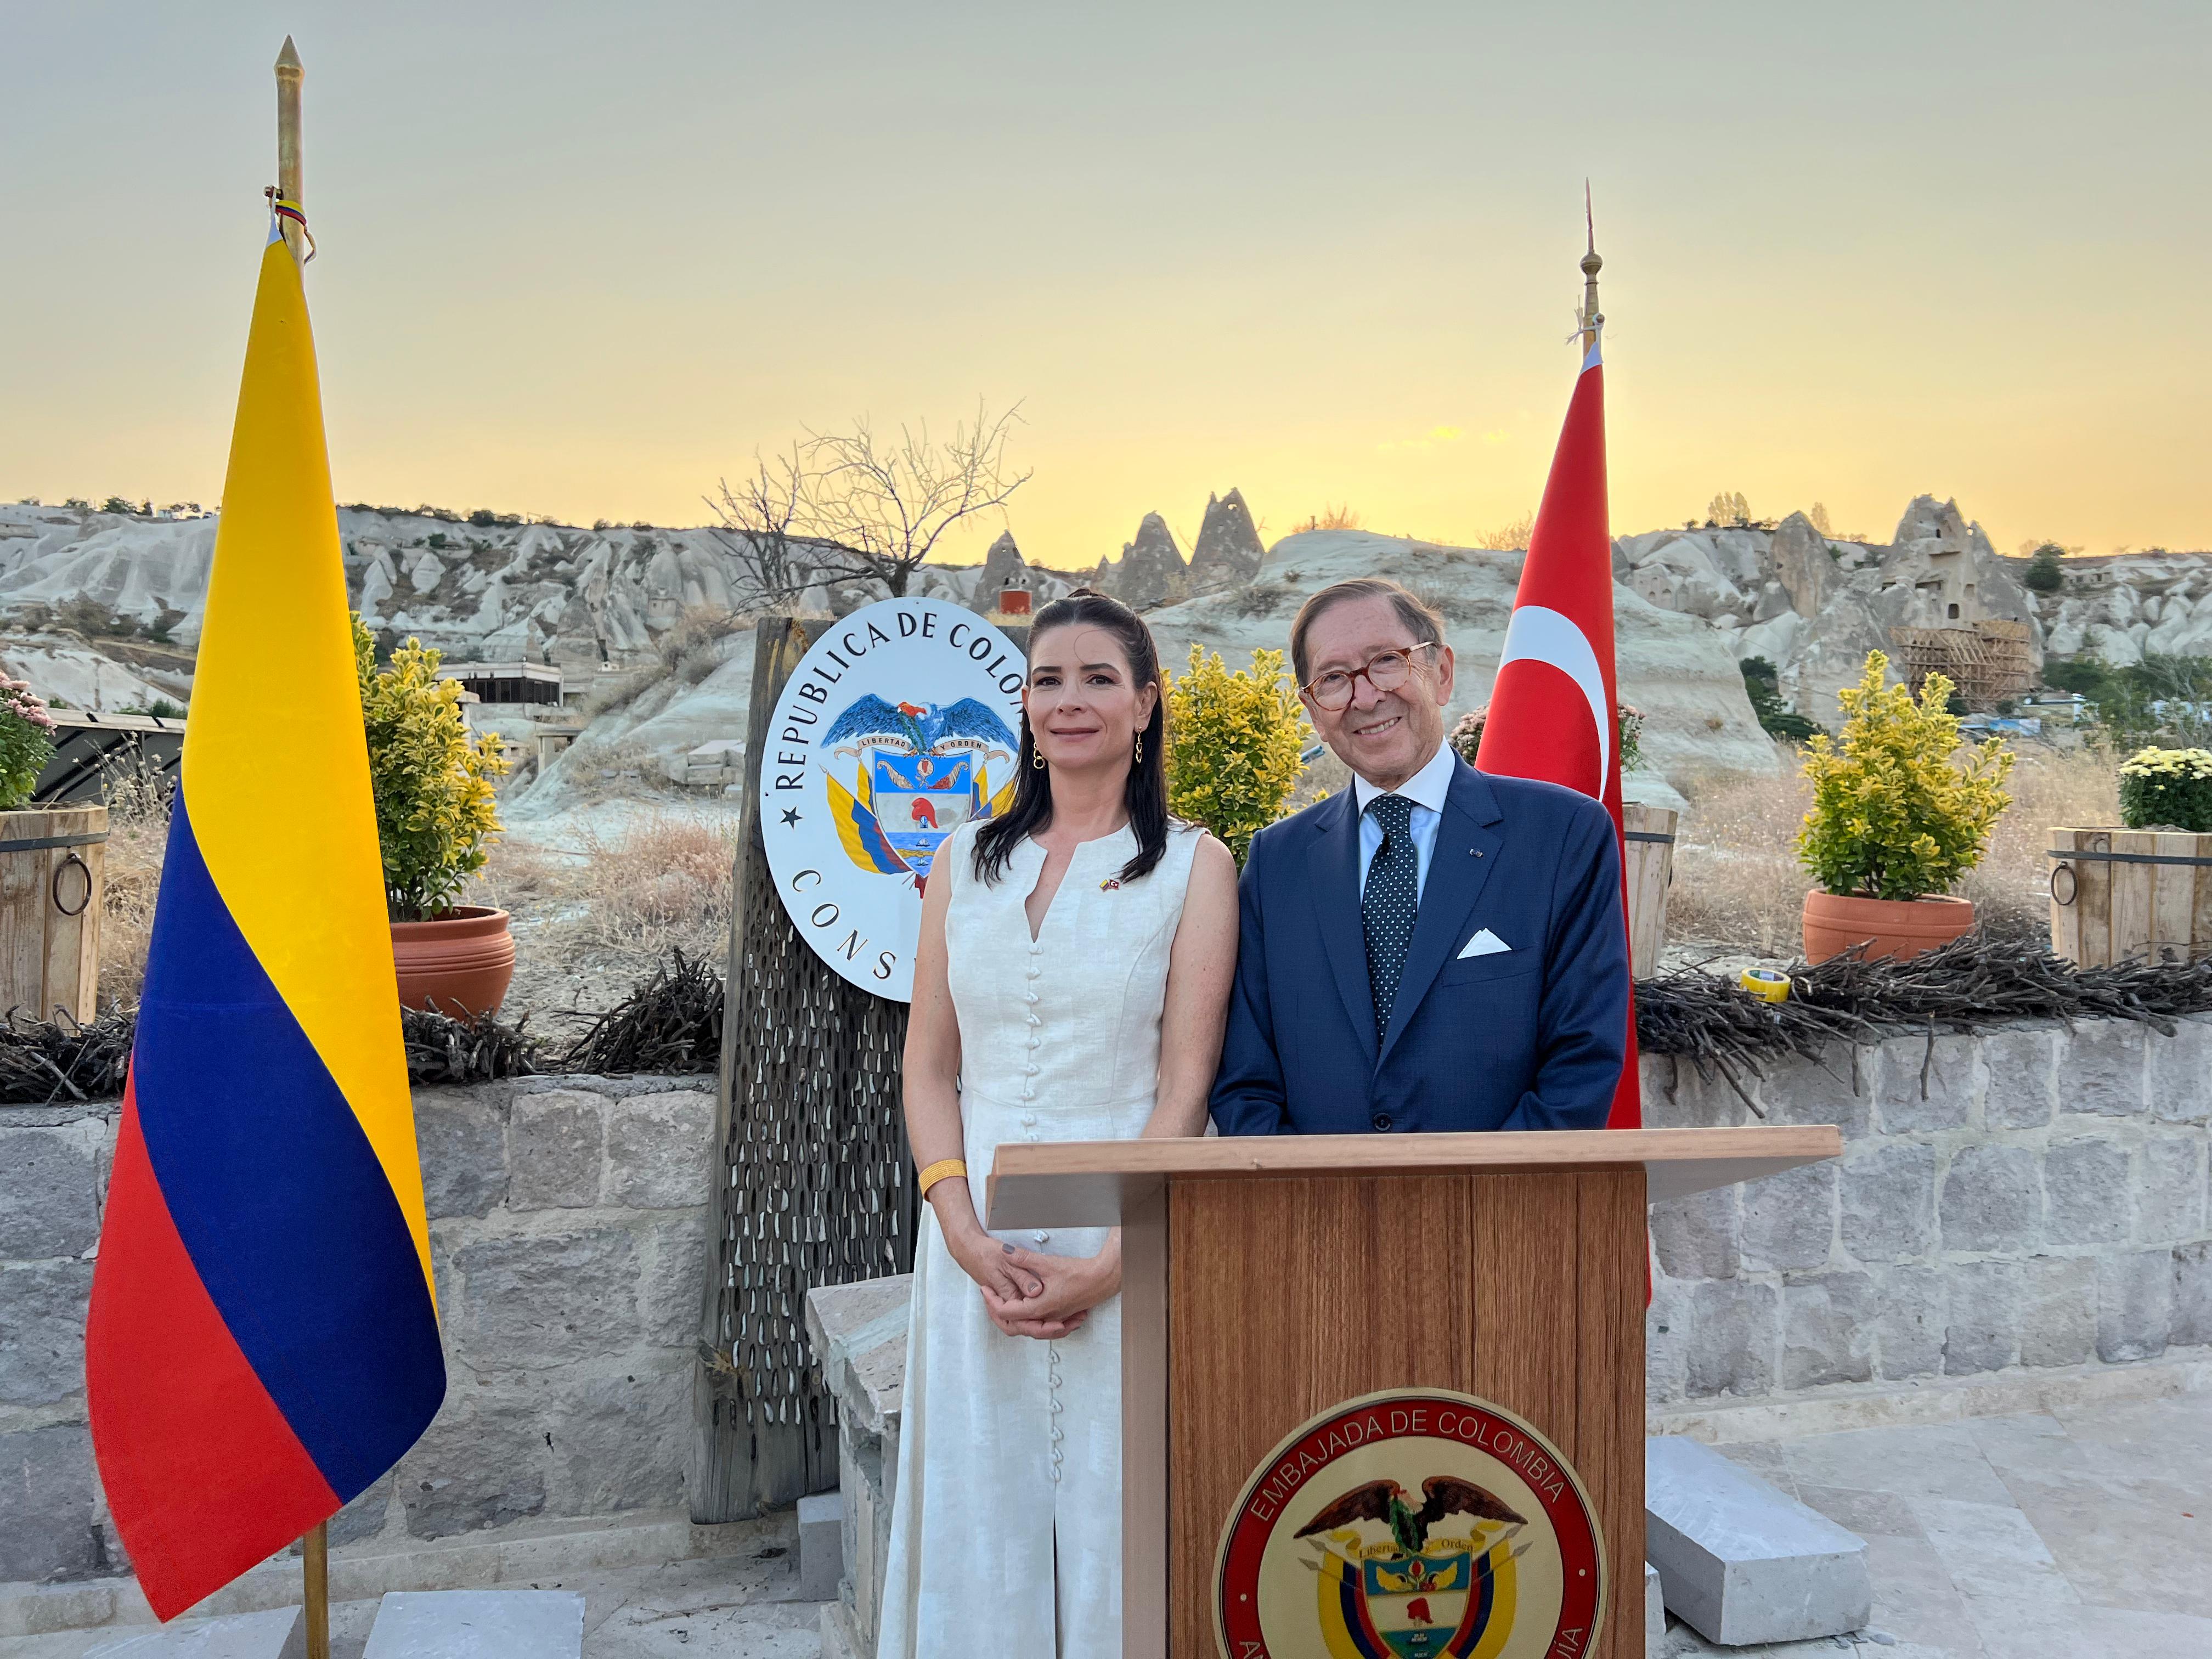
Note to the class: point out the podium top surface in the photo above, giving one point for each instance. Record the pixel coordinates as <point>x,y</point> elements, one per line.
<point>1094,1183</point>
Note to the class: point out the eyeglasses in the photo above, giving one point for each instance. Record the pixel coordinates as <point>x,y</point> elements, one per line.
<point>1386,670</point>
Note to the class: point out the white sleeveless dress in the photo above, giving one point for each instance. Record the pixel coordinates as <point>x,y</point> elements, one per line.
<point>1006,1520</point>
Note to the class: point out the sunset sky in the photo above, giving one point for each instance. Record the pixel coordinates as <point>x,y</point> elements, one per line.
<point>582,259</point>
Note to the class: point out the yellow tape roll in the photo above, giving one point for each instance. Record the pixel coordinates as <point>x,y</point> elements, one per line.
<point>1767,984</point>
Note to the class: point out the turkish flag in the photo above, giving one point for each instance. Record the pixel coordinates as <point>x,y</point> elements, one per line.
<point>1553,708</point>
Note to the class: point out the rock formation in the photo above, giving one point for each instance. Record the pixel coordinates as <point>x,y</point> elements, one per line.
<point>536,592</point>
<point>1679,670</point>
<point>1814,607</point>
<point>1803,565</point>
<point>1003,568</point>
<point>1228,551</point>
<point>1151,570</point>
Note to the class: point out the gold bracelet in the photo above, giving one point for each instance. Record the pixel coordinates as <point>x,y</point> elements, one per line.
<point>938,1171</point>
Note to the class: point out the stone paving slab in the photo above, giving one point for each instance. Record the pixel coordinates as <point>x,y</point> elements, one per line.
<point>741,1605</point>
<point>2083,1533</point>
<point>247,1636</point>
<point>496,1623</point>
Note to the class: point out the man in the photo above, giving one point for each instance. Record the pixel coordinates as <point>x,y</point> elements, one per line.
<point>1432,948</point>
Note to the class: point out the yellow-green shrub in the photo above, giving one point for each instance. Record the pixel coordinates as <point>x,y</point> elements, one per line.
<point>1894,817</point>
<point>435,806</point>
<point>1233,744</point>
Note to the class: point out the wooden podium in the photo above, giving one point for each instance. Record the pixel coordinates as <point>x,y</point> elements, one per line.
<point>1266,1280</point>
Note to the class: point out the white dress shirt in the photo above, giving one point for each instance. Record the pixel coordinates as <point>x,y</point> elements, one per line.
<point>1426,789</point>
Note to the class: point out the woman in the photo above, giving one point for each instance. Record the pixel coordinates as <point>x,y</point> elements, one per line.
<point>1071,984</point>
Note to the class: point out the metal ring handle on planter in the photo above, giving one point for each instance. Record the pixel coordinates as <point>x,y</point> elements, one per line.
<point>2091,855</point>
<point>54,887</point>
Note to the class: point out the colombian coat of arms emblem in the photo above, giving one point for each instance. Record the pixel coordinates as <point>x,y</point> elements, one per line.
<point>898,726</point>
<point>1414,1524</point>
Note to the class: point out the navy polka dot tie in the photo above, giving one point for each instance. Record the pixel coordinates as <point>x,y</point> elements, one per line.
<point>1389,905</point>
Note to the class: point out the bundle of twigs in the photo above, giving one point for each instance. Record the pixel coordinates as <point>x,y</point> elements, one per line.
<point>1969,984</point>
<point>44,1062</point>
<point>670,1024</point>
<point>443,1049</point>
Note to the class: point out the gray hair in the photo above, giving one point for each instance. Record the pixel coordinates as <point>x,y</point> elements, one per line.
<point>1424,624</point>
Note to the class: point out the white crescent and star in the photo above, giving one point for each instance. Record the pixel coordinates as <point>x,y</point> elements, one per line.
<point>1539,634</point>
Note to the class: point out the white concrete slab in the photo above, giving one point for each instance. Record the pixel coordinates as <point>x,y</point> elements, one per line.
<point>821,1546</point>
<point>1741,1560</point>
<point>478,1625</point>
<point>1654,1614</point>
<point>279,1635</point>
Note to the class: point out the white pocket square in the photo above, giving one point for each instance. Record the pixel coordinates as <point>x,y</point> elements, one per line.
<point>1483,943</point>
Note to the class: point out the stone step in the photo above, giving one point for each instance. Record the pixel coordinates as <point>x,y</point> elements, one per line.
<point>821,1546</point>
<point>1740,1560</point>
<point>282,1634</point>
<point>478,1625</point>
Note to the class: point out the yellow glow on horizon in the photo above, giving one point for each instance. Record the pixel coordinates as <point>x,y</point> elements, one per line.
<point>1324,256</point>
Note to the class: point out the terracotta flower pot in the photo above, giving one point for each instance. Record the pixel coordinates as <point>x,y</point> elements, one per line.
<point>458,964</point>
<point>1896,928</point>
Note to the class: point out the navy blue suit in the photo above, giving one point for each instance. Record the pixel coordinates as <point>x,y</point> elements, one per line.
<point>1530,1037</point>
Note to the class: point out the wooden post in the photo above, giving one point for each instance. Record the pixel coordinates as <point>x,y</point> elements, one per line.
<point>1651,860</point>
<point>290,172</point>
<point>814,1182</point>
<point>315,1585</point>
<point>52,882</point>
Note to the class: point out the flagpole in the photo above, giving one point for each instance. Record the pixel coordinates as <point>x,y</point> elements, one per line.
<point>315,1547</point>
<point>315,1572</point>
<point>1593,319</point>
<point>289,182</point>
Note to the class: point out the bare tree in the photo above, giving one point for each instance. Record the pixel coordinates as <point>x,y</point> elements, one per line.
<point>756,528</point>
<point>846,507</point>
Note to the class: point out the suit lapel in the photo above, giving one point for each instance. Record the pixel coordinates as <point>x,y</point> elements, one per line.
<point>1459,868</point>
<point>1335,885</point>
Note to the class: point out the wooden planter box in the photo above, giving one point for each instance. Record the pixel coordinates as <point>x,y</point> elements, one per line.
<point>51,885</point>
<point>2121,893</point>
<point>1650,868</point>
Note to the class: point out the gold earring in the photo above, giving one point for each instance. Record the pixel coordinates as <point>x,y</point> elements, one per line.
<point>1036,760</point>
<point>1141,749</point>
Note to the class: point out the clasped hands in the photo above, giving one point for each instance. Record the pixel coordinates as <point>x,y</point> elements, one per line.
<point>1043,1297</point>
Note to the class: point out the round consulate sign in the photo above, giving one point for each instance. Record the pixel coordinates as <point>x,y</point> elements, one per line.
<point>1413,1524</point>
<point>899,726</point>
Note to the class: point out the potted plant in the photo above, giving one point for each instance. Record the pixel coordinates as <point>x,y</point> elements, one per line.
<point>435,815</point>
<point>1898,816</point>
<point>26,741</point>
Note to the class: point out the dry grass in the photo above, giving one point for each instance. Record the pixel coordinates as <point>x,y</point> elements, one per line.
<point>663,883</point>
<point>1344,517</point>
<point>2050,788</point>
<point>593,917</point>
<point>138,836</point>
<point>1512,536</point>
<point>1737,881</point>
<point>692,648</point>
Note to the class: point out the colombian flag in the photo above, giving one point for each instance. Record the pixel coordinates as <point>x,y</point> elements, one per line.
<point>262,1342</point>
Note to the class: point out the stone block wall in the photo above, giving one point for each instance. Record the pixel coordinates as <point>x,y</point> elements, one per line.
<point>568,1234</point>
<point>2015,1200</point>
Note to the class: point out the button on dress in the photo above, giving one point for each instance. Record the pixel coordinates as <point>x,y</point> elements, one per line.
<point>1007,1518</point>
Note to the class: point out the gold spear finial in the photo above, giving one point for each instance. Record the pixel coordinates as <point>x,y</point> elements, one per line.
<point>289,182</point>
<point>1592,318</point>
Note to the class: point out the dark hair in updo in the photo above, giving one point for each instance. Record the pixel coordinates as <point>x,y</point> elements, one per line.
<point>1146,794</point>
